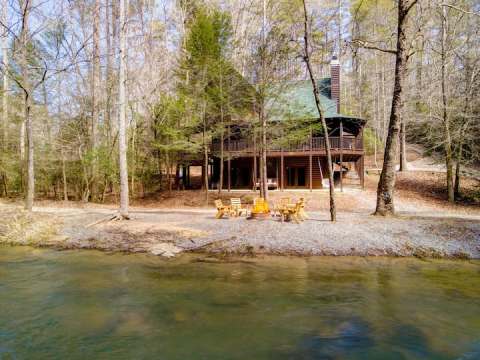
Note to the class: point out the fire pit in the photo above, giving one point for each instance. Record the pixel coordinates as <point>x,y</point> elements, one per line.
<point>260,209</point>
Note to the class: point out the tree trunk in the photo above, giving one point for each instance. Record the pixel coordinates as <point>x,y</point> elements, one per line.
<point>133,161</point>
<point>222,135</point>
<point>48,125</point>
<point>30,167</point>
<point>386,185</point>
<point>456,191</point>
<point>446,120</point>
<point>27,106</point>
<point>64,177</point>
<point>459,157</point>
<point>263,118</point>
<point>333,210</point>
<point>122,143</point>
<point>108,69</point>
<point>169,171</point>
<point>222,139</point>
<point>5,78</point>
<point>205,166</point>
<point>263,160</point>
<point>5,103</point>
<point>95,97</point>
<point>376,111</point>
<point>205,147</point>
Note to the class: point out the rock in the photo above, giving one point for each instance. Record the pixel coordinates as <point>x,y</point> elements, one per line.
<point>165,249</point>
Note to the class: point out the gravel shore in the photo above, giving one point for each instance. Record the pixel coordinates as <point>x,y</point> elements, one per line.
<point>169,231</point>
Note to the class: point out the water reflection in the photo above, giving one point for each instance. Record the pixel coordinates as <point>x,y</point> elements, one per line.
<point>85,304</point>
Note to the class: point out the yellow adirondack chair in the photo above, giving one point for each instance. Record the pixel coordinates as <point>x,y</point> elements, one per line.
<point>301,211</point>
<point>282,204</point>
<point>294,211</point>
<point>222,209</point>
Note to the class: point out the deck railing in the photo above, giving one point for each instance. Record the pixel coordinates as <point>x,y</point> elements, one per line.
<point>317,144</point>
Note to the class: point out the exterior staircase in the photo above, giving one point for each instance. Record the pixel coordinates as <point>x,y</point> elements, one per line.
<point>351,178</point>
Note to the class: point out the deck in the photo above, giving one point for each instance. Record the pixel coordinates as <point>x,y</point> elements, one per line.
<point>246,147</point>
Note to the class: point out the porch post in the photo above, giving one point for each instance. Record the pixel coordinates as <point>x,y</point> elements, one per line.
<point>228,172</point>
<point>276,171</point>
<point>341,155</point>
<point>310,162</point>
<point>282,170</point>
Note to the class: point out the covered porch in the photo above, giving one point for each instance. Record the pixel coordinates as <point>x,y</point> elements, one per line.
<point>307,172</point>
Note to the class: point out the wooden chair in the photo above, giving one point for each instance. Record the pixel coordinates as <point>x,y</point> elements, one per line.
<point>282,204</point>
<point>294,211</point>
<point>297,212</point>
<point>301,211</point>
<point>222,209</point>
<point>286,209</point>
<point>236,207</point>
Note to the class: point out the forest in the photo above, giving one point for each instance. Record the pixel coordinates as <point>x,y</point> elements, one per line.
<point>106,100</point>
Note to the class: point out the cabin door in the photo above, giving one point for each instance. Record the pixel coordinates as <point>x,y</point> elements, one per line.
<point>296,176</point>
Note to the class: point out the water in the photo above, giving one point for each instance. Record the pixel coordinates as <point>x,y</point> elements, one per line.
<point>90,305</point>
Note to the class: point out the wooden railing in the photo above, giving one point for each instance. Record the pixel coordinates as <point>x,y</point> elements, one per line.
<point>317,144</point>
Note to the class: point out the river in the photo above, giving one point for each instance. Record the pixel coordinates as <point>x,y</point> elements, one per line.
<point>93,305</point>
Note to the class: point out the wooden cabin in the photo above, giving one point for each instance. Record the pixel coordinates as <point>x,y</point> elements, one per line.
<point>298,164</point>
<point>301,164</point>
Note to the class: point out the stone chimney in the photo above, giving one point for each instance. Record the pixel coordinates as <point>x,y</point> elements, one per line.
<point>335,81</point>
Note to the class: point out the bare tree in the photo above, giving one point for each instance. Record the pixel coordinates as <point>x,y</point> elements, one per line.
<point>122,142</point>
<point>263,118</point>
<point>306,57</point>
<point>5,74</point>
<point>95,94</point>
<point>27,91</point>
<point>445,117</point>
<point>386,184</point>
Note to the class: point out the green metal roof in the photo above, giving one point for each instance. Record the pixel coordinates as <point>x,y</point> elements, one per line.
<point>295,100</point>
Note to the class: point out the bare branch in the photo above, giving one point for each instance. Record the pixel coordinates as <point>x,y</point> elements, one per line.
<point>365,45</point>
<point>460,9</point>
<point>410,6</point>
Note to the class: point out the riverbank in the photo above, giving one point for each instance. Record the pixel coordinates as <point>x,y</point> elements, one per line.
<point>426,225</point>
<point>170,231</point>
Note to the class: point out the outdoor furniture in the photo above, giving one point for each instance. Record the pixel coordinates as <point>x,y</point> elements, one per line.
<point>301,211</point>
<point>281,205</point>
<point>293,211</point>
<point>260,209</point>
<point>222,209</point>
<point>287,211</point>
<point>237,208</point>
